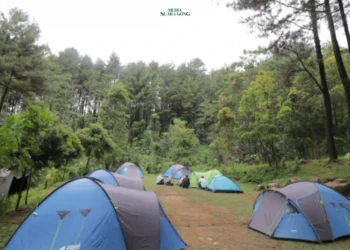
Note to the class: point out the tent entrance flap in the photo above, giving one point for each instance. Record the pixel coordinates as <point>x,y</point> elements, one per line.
<point>269,212</point>
<point>294,225</point>
<point>313,209</point>
<point>140,224</point>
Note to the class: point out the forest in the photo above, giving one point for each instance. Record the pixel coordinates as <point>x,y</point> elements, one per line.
<point>62,115</point>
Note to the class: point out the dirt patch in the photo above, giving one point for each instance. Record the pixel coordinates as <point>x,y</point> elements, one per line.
<point>205,226</point>
<point>14,218</point>
<point>250,196</point>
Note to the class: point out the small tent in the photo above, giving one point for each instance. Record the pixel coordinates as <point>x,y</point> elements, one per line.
<point>223,184</point>
<point>303,210</point>
<point>86,214</point>
<point>130,169</point>
<point>6,178</point>
<point>208,176</point>
<point>177,171</point>
<point>110,178</point>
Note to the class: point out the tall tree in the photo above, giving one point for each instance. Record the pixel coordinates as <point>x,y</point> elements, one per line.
<point>345,22</point>
<point>285,21</point>
<point>22,62</point>
<point>114,66</point>
<point>340,63</point>
<point>96,142</point>
<point>324,86</point>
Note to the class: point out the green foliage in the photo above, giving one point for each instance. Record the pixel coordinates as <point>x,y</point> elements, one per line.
<point>22,146</point>
<point>52,175</point>
<point>59,145</point>
<point>5,205</point>
<point>255,111</point>
<point>179,145</point>
<point>184,143</point>
<point>96,141</point>
<point>22,64</point>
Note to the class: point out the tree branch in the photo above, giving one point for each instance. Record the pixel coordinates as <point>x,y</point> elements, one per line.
<point>307,70</point>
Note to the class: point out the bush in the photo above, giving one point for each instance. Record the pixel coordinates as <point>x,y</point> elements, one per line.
<point>5,205</point>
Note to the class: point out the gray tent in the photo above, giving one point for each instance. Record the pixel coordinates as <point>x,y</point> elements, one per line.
<point>178,167</point>
<point>304,211</point>
<point>129,181</point>
<point>6,178</point>
<point>177,171</point>
<point>130,169</point>
<point>110,178</point>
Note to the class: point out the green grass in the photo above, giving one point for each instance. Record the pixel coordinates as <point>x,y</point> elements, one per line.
<point>6,232</point>
<point>265,174</point>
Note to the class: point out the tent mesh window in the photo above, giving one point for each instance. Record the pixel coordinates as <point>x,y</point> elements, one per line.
<point>291,210</point>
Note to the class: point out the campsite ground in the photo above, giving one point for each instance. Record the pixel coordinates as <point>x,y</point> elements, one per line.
<point>204,220</point>
<point>207,220</point>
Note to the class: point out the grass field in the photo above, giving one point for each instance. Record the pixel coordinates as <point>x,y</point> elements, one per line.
<point>305,170</point>
<point>205,220</point>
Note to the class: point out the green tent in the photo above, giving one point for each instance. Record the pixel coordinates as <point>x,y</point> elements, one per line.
<point>208,176</point>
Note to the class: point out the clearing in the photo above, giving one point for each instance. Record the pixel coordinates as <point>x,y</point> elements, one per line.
<point>205,220</point>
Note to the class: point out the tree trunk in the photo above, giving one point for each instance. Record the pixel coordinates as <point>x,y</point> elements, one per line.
<point>94,113</point>
<point>87,164</point>
<point>332,152</point>
<point>345,23</point>
<point>2,100</point>
<point>340,64</point>
<point>20,189</point>
<point>64,172</point>
<point>28,187</point>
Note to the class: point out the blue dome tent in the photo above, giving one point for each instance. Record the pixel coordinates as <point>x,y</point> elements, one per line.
<point>221,183</point>
<point>176,171</point>
<point>304,211</point>
<point>130,169</point>
<point>86,214</point>
<point>110,178</point>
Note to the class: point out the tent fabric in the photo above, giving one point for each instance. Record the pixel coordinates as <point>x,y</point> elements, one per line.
<point>294,225</point>
<point>6,177</point>
<point>302,211</point>
<point>110,178</point>
<point>104,176</point>
<point>130,169</point>
<point>208,176</point>
<point>180,168</point>
<point>177,171</point>
<point>129,181</point>
<point>86,214</point>
<point>44,228</point>
<point>140,224</point>
<point>221,183</point>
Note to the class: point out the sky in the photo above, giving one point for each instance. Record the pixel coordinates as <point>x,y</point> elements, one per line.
<point>135,30</point>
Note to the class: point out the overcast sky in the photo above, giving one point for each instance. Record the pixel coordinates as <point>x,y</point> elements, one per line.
<point>135,30</point>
